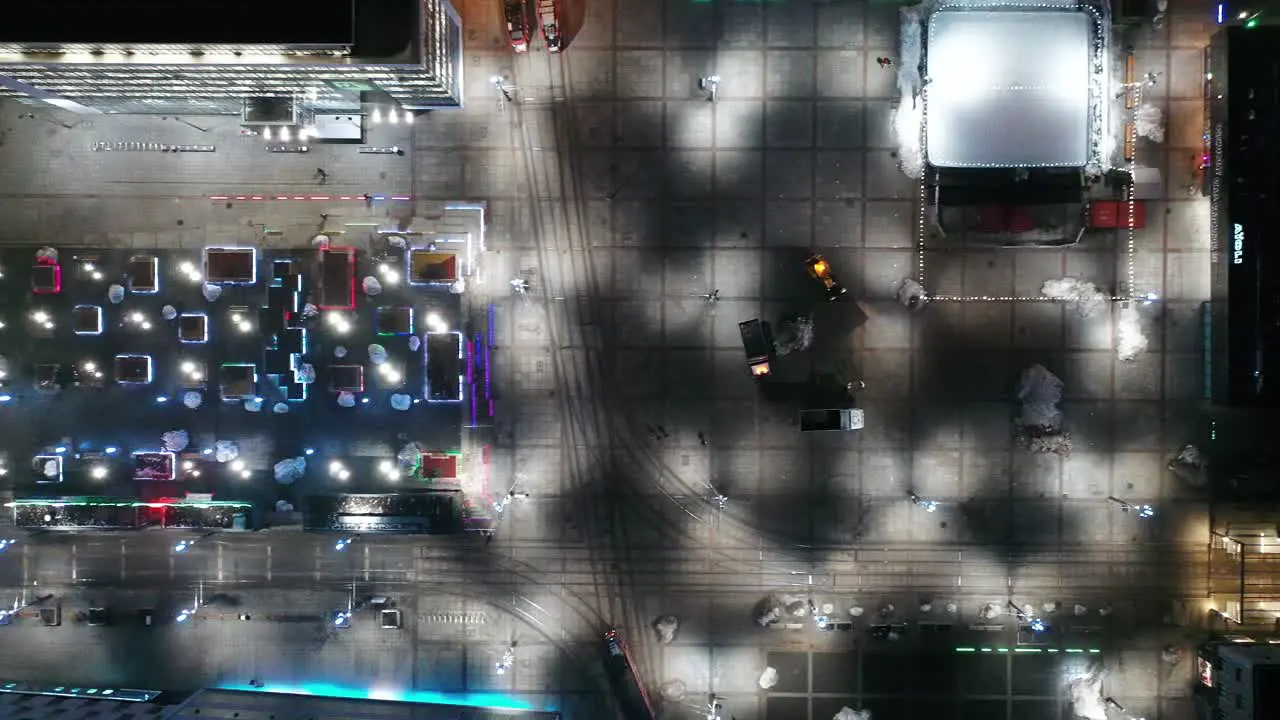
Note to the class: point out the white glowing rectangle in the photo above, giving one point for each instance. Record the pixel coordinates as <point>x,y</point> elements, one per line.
<point>1008,88</point>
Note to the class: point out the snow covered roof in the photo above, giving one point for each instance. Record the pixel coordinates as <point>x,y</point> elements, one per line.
<point>1008,88</point>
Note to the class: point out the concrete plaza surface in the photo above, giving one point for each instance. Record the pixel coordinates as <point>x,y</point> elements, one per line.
<point>622,194</point>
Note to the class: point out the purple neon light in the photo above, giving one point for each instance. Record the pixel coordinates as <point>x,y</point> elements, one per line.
<point>471,363</point>
<point>474,404</point>
<point>488,376</point>
<point>491,315</point>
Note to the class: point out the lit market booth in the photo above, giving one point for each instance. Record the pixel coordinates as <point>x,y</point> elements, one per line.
<point>106,513</point>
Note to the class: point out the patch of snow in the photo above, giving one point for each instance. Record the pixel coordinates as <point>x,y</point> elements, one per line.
<point>211,292</point>
<point>289,470</point>
<point>377,354</point>
<point>176,440</point>
<point>284,506</point>
<point>415,342</point>
<point>1149,122</point>
<point>224,451</point>
<point>280,408</point>
<point>768,678</point>
<point>168,312</point>
<point>346,399</point>
<point>47,255</point>
<point>1040,391</point>
<point>458,287</point>
<point>674,690</point>
<point>667,627</point>
<point>856,611</point>
<point>339,352</point>
<point>1086,296</point>
<point>1130,340</point>
<point>401,402</point>
<point>306,373</point>
<point>115,294</point>
<point>371,286</point>
<point>908,118</point>
<point>911,294</point>
<point>1086,696</point>
<point>253,404</point>
<point>50,469</point>
<point>796,335</point>
<point>309,310</point>
<point>846,713</point>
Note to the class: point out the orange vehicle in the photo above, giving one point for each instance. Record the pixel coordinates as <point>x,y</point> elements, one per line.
<point>820,270</point>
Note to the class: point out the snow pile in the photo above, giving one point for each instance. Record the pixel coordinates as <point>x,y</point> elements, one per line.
<point>674,690</point>
<point>211,292</point>
<point>1040,391</point>
<point>253,404</point>
<point>908,118</point>
<point>1040,423</point>
<point>371,286</point>
<point>415,342</point>
<point>377,354</point>
<point>911,294</point>
<point>1130,342</point>
<point>50,470</point>
<point>339,352</point>
<point>280,408</point>
<point>1149,122</point>
<point>284,506</point>
<point>309,311</point>
<point>289,470</point>
<point>401,402</point>
<point>175,440</point>
<point>990,611</point>
<point>115,294</point>
<point>408,456</point>
<point>458,287</point>
<point>1086,696</point>
<point>851,714</point>
<point>796,335</point>
<point>168,312</point>
<point>47,256</point>
<point>192,399</point>
<point>306,373</point>
<point>667,627</point>
<point>1086,296</point>
<point>224,451</point>
<point>346,399</point>
<point>768,678</point>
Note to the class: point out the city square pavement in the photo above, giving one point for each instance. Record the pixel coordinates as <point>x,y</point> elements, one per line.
<point>622,195</point>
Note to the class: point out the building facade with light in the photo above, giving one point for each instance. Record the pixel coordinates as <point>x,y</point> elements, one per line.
<point>207,57</point>
<point>1241,66</point>
<point>1239,681</point>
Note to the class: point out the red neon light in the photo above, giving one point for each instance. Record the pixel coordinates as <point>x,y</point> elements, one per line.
<point>57,279</point>
<point>350,256</point>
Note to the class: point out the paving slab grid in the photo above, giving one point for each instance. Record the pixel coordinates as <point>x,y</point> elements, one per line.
<point>622,193</point>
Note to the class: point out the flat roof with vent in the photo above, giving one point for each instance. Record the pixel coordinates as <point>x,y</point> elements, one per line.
<point>315,23</point>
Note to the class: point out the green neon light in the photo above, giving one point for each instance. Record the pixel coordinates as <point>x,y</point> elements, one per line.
<point>1074,650</point>
<point>986,649</point>
<point>965,650</point>
<point>1052,650</point>
<point>1094,650</point>
<point>1003,650</point>
<point>1027,650</point>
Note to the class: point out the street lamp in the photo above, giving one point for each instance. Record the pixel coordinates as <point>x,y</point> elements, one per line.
<point>508,660</point>
<point>928,505</point>
<point>1143,511</point>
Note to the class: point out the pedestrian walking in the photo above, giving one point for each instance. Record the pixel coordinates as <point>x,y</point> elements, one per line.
<point>884,62</point>
<point>322,176</point>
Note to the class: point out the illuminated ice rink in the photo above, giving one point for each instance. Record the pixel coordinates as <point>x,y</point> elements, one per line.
<point>1008,89</point>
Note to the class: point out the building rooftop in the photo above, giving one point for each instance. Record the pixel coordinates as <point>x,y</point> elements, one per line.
<point>1008,88</point>
<point>317,23</point>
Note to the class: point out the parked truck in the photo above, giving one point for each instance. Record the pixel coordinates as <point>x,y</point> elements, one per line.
<point>840,419</point>
<point>758,345</point>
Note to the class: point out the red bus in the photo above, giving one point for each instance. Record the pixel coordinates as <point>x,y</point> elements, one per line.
<point>628,688</point>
